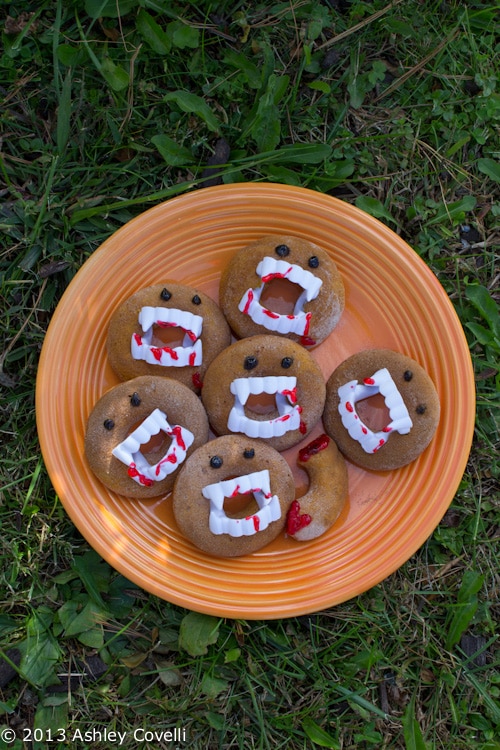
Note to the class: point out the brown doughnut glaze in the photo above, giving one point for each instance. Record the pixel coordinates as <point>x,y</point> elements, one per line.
<point>158,342</point>
<point>162,443</point>
<point>282,285</point>
<point>391,439</point>
<point>245,512</point>
<point>316,511</point>
<point>265,387</point>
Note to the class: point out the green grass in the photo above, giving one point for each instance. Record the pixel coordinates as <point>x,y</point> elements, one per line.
<point>393,108</point>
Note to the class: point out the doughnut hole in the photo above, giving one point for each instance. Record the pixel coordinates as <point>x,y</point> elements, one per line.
<point>240,506</point>
<point>156,447</point>
<point>262,403</point>
<point>166,335</point>
<point>280,296</point>
<point>373,412</point>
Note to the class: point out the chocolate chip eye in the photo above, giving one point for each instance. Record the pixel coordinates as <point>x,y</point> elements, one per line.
<point>421,409</point>
<point>196,300</point>
<point>408,375</point>
<point>313,261</point>
<point>287,362</point>
<point>135,399</point>
<point>108,424</point>
<point>250,362</point>
<point>165,295</point>
<point>248,453</point>
<point>216,462</point>
<point>282,250</point>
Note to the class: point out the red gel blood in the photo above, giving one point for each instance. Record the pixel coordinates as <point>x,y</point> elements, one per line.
<point>197,381</point>
<point>314,447</point>
<point>295,520</point>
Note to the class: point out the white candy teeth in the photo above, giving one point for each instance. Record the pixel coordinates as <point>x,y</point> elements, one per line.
<point>171,316</point>
<point>352,392</point>
<point>140,470</point>
<point>296,274</point>
<point>257,484</point>
<point>243,387</point>
<point>298,323</point>
<point>288,410</point>
<point>190,354</point>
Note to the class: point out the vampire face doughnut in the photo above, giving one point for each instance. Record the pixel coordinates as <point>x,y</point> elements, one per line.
<point>166,330</point>
<point>285,286</point>
<point>374,412</point>
<point>241,505</point>
<point>270,401</point>
<point>140,433</point>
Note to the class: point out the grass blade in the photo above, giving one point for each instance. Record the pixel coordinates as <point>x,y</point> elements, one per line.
<point>411,728</point>
<point>64,115</point>
<point>467,604</point>
<point>318,736</point>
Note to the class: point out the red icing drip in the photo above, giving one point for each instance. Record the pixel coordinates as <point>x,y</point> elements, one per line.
<point>387,429</point>
<point>171,459</point>
<point>295,520</point>
<point>307,341</point>
<point>284,418</point>
<point>308,324</point>
<point>248,302</point>
<point>192,359</point>
<point>369,381</point>
<point>349,407</point>
<point>302,427</point>
<point>292,395</point>
<point>157,352</point>
<point>177,431</point>
<point>192,335</point>
<point>236,491</point>
<point>256,522</point>
<point>271,276</point>
<point>133,472</point>
<point>270,313</point>
<point>197,381</point>
<point>171,352</point>
<point>314,447</point>
<point>138,339</point>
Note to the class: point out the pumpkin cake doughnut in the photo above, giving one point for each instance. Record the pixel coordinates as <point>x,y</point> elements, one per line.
<point>282,285</point>
<point>316,511</point>
<point>382,409</point>
<point>232,495</point>
<point>140,432</point>
<point>166,329</point>
<point>264,387</point>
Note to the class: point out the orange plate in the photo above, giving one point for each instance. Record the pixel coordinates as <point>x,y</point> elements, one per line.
<point>392,300</point>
